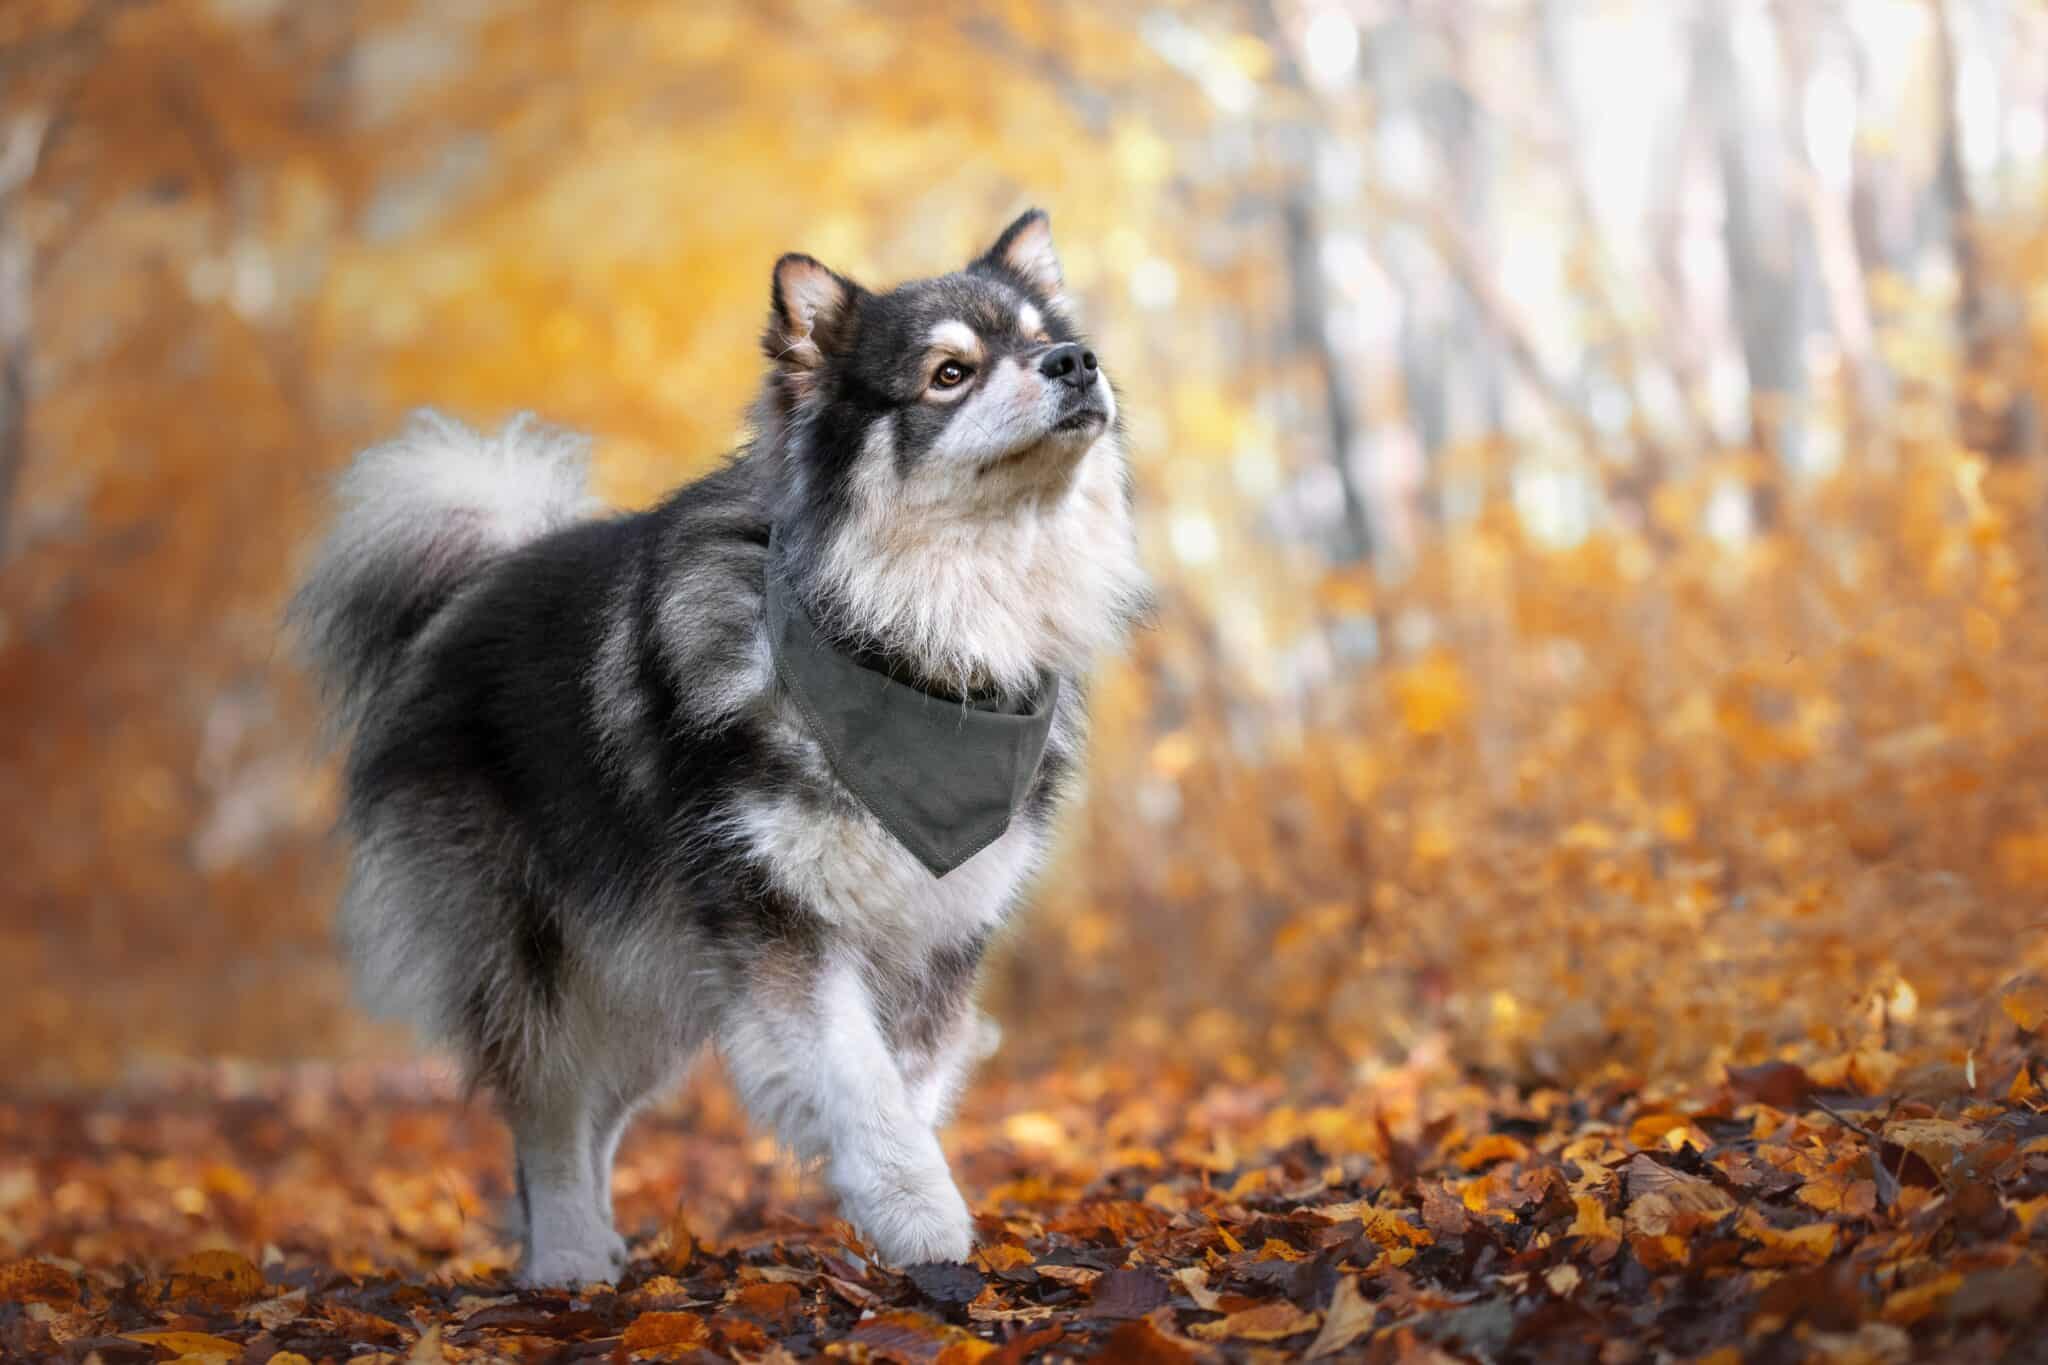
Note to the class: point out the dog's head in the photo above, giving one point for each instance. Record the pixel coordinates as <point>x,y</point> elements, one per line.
<point>967,391</point>
<point>952,493</point>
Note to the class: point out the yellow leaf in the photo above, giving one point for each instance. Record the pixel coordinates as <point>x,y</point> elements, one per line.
<point>1593,1224</point>
<point>1649,1130</point>
<point>1809,1245</point>
<point>1905,1307</point>
<point>1002,1256</point>
<point>189,1343</point>
<point>2025,1000</point>
<point>1384,1226</point>
<point>1494,1147</point>
<point>1267,1322</point>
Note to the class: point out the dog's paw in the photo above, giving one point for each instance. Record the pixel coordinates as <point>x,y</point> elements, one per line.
<point>932,1224</point>
<point>572,1265</point>
<point>615,1248</point>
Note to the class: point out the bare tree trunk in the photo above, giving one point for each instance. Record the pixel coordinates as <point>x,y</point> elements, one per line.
<point>1991,417</point>
<point>62,51</point>
<point>1311,295</point>
<point>1687,340</point>
<point>1473,386</point>
<point>1652,461</point>
<point>1466,264</point>
<point>1761,237</point>
<point>1834,237</point>
<point>21,144</point>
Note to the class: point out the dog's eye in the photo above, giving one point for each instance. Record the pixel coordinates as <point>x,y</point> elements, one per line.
<point>951,375</point>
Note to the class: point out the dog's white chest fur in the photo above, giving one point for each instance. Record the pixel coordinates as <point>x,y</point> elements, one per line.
<point>853,873</point>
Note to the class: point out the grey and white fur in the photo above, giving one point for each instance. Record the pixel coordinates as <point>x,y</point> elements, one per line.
<point>589,830</point>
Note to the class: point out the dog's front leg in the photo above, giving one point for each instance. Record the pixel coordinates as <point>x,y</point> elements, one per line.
<point>816,1066</point>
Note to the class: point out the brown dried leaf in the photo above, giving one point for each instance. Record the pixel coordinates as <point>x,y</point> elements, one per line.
<point>1781,1085</point>
<point>906,1338</point>
<point>1142,1343</point>
<point>223,1279</point>
<point>652,1336</point>
<point>1128,1293</point>
<point>33,1281</point>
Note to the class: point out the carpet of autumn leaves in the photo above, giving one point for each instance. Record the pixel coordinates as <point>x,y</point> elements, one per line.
<point>1749,1064</point>
<point>1780,1213</point>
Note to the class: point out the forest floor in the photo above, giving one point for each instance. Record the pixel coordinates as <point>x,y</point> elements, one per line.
<point>1854,1210</point>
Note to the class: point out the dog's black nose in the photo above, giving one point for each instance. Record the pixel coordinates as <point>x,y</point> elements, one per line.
<point>1070,363</point>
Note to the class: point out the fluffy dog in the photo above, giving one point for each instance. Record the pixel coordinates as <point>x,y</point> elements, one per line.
<point>598,816</point>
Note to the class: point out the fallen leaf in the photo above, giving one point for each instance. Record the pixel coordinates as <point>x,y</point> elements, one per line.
<point>1128,1294</point>
<point>1142,1343</point>
<point>1349,1317</point>
<point>1938,1142</point>
<point>1781,1085</point>
<point>1002,1256</point>
<point>189,1343</point>
<point>1490,1149</point>
<point>1195,1281</point>
<point>32,1281</point>
<point>945,1282</point>
<point>224,1279</point>
<point>775,1302</point>
<point>905,1338</point>
<point>1684,1193</point>
<point>1267,1322</point>
<point>1909,1305</point>
<point>2025,1000</point>
<point>651,1336</point>
<point>1808,1245</point>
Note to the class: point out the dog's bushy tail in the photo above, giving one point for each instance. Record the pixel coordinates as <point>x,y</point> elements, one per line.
<point>417,517</point>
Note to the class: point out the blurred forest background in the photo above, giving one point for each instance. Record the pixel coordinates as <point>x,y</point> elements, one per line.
<point>1590,453</point>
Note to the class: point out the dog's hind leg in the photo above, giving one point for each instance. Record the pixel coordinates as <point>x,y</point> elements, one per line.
<point>611,1115</point>
<point>566,1241</point>
<point>608,1126</point>
<point>968,1038</point>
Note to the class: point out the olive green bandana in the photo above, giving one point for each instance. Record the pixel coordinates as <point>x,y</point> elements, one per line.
<point>944,776</point>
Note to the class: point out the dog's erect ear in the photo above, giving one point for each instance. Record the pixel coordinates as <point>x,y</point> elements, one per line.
<point>1025,249</point>
<point>809,308</point>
